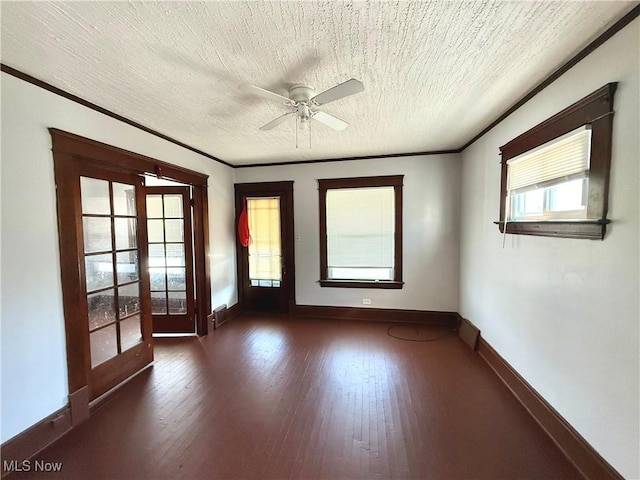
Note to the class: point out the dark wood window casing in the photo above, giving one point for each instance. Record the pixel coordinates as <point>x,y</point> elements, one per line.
<point>595,110</point>
<point>395,181</point>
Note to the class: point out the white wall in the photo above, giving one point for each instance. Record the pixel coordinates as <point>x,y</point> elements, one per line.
<point>563,312</point>
<point>430,230</point>
<point>34,370</point>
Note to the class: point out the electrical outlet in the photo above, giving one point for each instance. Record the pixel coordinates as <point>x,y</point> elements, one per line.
<point>366,301</point>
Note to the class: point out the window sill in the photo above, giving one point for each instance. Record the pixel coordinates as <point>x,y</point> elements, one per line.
<point>590,229</point>
<point>361,284</point>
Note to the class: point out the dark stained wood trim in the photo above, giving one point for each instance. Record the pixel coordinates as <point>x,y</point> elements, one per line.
<point>72,154</point>
<point>187,322</point>
<point>572,444</point>
<point>37,437</point>
<point>69,231</point>
<point>344,159</point>
<point>110,373</point>
<point>593,230</point>
<point>615,28</point>
<point>395,181</point>
<point>610,32</point>
<point>201,257</point>
<point>57,91</point>
<point>398,227</point>
<point>360,182</point>
<point>234,311</point>
<point>79,405</point>
<point>361,284</point>
<point>322,216</point>
<point>67,170</point>
<point>71,145</point>
<point>449,319</point>
<point>106,377</point>
<point>285,190</point>
<point>103,399</point>
<point>596,110</point>
<point>259,187</point>
<point>596,105</point>
<point>468,332</point>
<point>65,142</point>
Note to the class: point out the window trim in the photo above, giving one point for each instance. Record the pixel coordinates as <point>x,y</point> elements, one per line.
<point>395,181</point>
<point>596,109</point>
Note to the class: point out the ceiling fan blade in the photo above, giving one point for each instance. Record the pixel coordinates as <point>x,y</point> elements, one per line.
<point>245,87</point>
<point>330,120</point>
<point>339,91</point>
<point>276,122</point>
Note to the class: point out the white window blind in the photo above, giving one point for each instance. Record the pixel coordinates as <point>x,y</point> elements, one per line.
<point>562,157</point>
<point>265,254</point>
<point>360,233</point>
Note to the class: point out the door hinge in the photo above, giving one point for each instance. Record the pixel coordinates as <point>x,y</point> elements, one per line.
<point>191,202</point>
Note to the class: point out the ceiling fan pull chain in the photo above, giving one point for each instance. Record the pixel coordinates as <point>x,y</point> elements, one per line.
<point>297,119</point>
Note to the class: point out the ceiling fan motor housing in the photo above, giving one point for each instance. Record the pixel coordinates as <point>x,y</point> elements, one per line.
<point>301,93</point>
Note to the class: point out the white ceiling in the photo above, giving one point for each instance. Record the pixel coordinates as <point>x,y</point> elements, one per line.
<point>435,73</point>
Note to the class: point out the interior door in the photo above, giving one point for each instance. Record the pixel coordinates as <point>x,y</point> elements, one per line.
<point>170,259</point>
<point>115,301</point>
<point>266,276</point>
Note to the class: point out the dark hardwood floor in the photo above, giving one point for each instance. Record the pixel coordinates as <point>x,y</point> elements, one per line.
<point>287,398</point>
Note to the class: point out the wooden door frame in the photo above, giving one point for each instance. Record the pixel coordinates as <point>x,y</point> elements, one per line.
<point>67,149</point>
<point>185,194</point>
<point>104,376</point>
<point>285,190</point>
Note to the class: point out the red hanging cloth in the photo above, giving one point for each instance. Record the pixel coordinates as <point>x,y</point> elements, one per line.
<point>244,236</point>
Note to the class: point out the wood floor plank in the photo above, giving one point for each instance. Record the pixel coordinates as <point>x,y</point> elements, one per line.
<point>276,397</point>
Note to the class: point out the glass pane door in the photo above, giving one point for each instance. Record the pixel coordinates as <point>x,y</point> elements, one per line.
<point>170,264</point>
<point>112,268</point>
<point>265,284</point>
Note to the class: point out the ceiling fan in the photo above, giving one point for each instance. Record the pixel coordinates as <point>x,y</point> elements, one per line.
<point>304,102</point>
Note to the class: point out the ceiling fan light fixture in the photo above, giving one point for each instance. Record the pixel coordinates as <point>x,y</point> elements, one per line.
<point>304,114</point>
<point>304,102</point>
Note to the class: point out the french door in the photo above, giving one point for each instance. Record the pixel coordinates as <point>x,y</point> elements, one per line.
<point>114,311</point>
<point>104,261</point>
<point>170,259</point>
<point>266,275</point>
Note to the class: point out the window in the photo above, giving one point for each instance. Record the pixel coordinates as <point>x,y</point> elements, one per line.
<point>361,232</point>
<point>265,251</point>
<point>555,176</point>
<point>550,181</point>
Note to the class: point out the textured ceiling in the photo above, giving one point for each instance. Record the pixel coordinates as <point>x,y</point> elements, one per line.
<point>435,73</point>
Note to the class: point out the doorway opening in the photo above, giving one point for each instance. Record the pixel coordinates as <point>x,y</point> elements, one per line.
<point>266,267</point>
<point>170,245</point>
<point>105,258</point>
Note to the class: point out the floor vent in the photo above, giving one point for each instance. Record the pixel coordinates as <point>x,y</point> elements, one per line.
<point>220,316</point>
